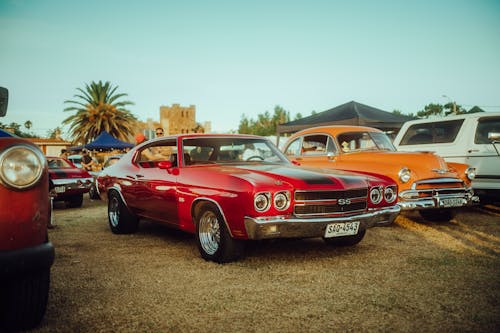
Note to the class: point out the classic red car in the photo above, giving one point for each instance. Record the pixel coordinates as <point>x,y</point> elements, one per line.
<point>26,255</point>
<point>70,181</point>
<point>227,189</point>
<point>426,182</point>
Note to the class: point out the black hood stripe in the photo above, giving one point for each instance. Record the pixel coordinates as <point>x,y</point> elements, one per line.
<point>306,176</point>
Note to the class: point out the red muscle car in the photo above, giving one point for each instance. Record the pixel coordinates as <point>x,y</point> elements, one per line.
<point>227,189</point>
<point>70,182</point>
<point>26,255</point>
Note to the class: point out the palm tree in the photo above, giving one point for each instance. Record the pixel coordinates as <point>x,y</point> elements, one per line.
<point>28,124</point>
<point>98,109</point>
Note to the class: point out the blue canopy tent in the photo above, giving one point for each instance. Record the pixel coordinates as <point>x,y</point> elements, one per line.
<point>105,141</point>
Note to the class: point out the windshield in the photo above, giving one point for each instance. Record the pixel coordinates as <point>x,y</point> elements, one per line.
<point>363,141</point>
<point>58,163</point>
<point>231,150</point>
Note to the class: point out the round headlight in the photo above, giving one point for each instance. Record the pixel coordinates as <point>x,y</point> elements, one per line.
<point>390,194</point>
<point>281,201</point>
<point>404,175</point>
<point>262,202</point>
<point>375,195</point>
<point>21,166</point>
<point>471,173</point>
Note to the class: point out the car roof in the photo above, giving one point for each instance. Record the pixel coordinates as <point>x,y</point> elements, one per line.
<point>454,117</point>
<point>335,129</point>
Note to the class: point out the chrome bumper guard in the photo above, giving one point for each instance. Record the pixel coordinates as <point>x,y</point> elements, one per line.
<point>286,227</point>
<point>74,183</point>
<point>410,200</point>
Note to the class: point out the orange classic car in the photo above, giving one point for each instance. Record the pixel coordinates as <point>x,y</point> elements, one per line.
<point>426,182</point>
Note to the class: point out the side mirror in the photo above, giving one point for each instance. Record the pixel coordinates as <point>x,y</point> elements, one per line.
<point>4,100</point>
<point>331,156</point>
<point>165,165</point>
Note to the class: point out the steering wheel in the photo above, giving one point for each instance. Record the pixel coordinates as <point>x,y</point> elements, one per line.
<point>255,157</point>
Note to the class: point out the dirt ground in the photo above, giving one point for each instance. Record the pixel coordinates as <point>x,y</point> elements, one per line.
<point>411,276</point>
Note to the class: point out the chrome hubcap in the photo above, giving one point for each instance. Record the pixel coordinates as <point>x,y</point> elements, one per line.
<point>114,211</point>
<point>209,232</point>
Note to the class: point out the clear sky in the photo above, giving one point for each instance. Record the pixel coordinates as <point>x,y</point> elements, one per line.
<point>230,58</point>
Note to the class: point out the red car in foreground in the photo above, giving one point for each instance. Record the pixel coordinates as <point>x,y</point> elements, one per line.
<point>26,255</point>
<point>70,182</point>
<point>227,189</point>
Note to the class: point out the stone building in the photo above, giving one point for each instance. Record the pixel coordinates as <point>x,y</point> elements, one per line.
<point>177,119</point>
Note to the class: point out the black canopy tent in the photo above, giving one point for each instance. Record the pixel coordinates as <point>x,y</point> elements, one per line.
<point>351,113</point>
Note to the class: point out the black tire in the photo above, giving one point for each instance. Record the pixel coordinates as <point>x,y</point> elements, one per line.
<point>75,201</point>
<point>437,215</point>
<point>93,194</point>
<point>346,240</point>
<point>121,220</point>
<point>213,239</point>
<point>24,300</point>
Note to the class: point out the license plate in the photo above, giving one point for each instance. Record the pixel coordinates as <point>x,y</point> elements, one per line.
<point>341,229</point>
<point>60,189</point>
<point>451,202</point>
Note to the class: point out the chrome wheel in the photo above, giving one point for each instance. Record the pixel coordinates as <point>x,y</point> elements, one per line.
<point>209,232</point>
<point>114,211</point>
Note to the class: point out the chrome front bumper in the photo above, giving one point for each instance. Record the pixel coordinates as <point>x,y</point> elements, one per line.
<point>467,198</point>
<point>283,227</point>
<point>72,184</point>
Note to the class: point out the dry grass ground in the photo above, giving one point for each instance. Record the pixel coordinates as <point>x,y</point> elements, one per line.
<point>411,276</point>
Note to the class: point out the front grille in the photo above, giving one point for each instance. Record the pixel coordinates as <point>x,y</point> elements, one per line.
<point>318,203</point>
<point>439,187</point>
<point>331,195</point>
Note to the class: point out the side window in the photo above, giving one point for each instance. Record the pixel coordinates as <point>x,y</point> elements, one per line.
<point>314,145</point>
<point>161,151</point>
<point>293,148</point>
<point>485,126</point>
<point>432,132</point>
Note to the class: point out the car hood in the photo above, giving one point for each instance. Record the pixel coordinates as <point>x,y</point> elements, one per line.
<point>59,173</point>
<point>423,164</point>
<point>296,177</point>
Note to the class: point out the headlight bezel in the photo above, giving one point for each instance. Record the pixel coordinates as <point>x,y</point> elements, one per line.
<point>390,194</point>
<point>9,163</point>
<point>470,173</point>
<point>264,196</point>
<point>286,196</point>
<point>404,175</point>
<point>376,190</point>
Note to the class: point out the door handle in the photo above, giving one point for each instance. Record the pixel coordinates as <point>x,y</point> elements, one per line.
<point>472,151</point>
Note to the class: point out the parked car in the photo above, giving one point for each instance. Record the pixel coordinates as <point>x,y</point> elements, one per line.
<point>26,255</point>
<point>473,139</point>
<point>200,184</point>
<point>76,159</point>
<point>93,192</point>
<point>70,181</point>
<point>426,182</point>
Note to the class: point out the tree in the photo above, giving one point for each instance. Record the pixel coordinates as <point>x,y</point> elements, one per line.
<point>98,109</point>
<point>16,129</point>
<point>265,124</point>
<point>431,110</point>
<point>28,124</point>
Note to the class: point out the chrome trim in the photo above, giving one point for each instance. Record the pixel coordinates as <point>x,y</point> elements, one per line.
<point>74,183</point>
<point>291,227</point>
<point>410,199</point>
<point>436,181</point>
